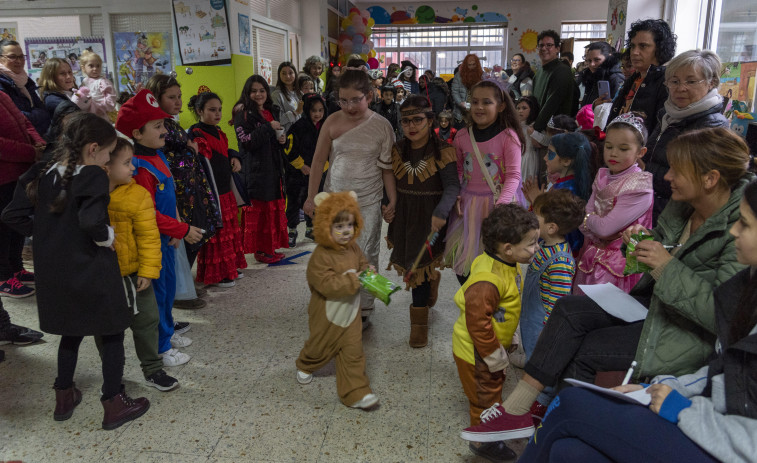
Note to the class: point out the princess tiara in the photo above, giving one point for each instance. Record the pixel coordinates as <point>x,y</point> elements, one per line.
<point>634,121</point>
<point>551,123</point>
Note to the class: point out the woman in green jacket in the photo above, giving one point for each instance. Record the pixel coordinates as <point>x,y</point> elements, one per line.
<point>691,254</point>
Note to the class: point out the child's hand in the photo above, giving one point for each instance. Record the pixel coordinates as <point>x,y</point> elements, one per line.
<point>388,212</point>
<point>305,170</point>
<point>143,283</point>
<point>437,223</point>
<point>275,125</point>
<point>309,207</point>
<point>236,166</point>
<point>372,268</point>
<point>194,235</point>
<point>531,189</point>
<point>458,207</point>
<point>174,242</point>
<point>633,230</point>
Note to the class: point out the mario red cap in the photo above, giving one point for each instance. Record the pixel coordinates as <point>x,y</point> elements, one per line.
<point>138,111</point>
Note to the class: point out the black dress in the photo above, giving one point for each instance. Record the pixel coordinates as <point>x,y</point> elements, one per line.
<point>79,287</point>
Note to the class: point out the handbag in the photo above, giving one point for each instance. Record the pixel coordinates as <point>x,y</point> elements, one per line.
<point>496,189</point>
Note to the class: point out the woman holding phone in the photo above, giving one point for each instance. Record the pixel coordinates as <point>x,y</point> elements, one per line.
<point>603,65</point>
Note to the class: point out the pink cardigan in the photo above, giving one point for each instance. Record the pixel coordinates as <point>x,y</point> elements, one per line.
<point>503,156</point>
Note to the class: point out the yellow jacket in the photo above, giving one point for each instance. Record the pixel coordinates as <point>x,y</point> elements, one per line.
<point>137,243</point>
<point>489,303</point>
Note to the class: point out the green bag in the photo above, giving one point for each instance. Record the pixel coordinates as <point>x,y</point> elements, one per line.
<point>633,265</point>
<point>378,285</point>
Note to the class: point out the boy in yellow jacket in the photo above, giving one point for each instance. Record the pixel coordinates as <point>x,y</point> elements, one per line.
<point>137,244</point>
<point>489,303</point>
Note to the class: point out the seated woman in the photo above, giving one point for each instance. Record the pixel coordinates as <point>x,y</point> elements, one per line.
<point>708,173</point>
<point>710,415</point>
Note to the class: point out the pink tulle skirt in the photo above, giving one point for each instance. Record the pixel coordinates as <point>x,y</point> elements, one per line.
<point>464,232</point>
<point>599,264</point>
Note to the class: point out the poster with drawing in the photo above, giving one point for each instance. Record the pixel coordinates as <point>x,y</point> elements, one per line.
<point>8,31</point>
<point>202,27</point>
<point>266,70</point>
<point>40,49</point>
<point>244,34</point>
<point>139,55</point>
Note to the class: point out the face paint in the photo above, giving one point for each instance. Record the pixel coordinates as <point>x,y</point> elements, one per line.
<point>551,155</point>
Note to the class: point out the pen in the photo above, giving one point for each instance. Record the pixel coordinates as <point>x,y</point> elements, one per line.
<point>671,246</point>
<point>629,373</point>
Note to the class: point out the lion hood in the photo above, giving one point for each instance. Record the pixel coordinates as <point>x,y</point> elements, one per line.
<point>327,206</point>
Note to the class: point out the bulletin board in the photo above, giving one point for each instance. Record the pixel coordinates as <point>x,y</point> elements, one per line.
<point>139,56</point>
<point>202,27</point>
<point>39,49</point>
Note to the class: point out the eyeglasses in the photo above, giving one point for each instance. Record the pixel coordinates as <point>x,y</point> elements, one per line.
<point>14,57</point>
<point>675,83</point>
<point>415,121</point>
<point>516,60</point>
<point>348,103</point>
<point>546,45</point>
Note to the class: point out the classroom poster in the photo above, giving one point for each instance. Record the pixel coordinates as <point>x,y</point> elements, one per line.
<point>730,80</point>
<point>203,31</point>
<point>244,33</point>
<point>265,69</point>
<point>9,31</point>
<point>139,55</point>
<point>40,49</point>
<point>746,84</point>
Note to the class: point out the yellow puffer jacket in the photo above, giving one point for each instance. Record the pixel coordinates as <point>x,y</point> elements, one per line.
<point>137,243</point>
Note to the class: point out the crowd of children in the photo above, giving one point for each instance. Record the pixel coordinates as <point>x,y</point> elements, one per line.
<point>482,200</point>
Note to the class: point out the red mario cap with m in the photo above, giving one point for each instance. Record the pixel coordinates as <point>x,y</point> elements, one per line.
<point>138,111</point>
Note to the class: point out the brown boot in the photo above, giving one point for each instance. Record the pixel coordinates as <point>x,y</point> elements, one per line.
<point>418,326</point>
<point>121,409</point>
<point>434,282</point>
<point>65,402</point>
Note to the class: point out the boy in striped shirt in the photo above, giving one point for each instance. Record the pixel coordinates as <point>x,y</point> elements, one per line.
<point>550,274</point>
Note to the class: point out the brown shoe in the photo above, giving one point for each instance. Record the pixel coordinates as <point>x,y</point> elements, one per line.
<point>121,409</point>
<point>189,304</point>
<point>418,326</point>
<point>65,402</point>
<point>434,283</point>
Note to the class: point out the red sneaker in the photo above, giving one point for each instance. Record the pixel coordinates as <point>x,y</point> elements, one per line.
<point>267,258</point>
<point>497,424</point>
<point>26,278</point>
<point>537,412</point>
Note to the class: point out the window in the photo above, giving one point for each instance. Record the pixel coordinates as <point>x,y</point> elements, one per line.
<point>734,30</point>
<point>583,33</point>
<point>440,48</point>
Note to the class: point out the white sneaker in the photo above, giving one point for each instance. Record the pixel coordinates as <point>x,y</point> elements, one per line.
<point>366,402</point>
<point>304,378</point>
<point>178,340</point>
<point>174,358</point>
<point>240,275</point>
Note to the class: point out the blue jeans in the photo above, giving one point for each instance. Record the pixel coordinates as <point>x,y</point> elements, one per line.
<point>584,426</point>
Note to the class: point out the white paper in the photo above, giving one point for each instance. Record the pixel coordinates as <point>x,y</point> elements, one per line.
<point>616,302</point>
<point>635,397</point>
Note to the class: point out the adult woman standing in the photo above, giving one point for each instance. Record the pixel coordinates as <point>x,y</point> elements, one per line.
<point>692,79</point>
<point>286,96</point>
<point>20,87</point>
<point>603,65</point>
<point>708,174</point>
<point>56,83</point>
<point>652,44</point>
<point>522,80</point>
<point>314,68</point>
<point>469,74</point>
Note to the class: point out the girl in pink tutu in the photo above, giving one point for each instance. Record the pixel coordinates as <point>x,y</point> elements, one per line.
<point>496,132</point>
<point>621,196</point>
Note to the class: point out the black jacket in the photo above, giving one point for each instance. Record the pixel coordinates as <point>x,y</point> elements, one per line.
<point>302,138</point>
<point>515,87</point>
<point>262,155</point>
<point>736,359</point>
<point>649,99</point>
<point>610,71</point>
<point>392,114</point>
<point>436,96</point>
<point>33,110</point>
<point>656,159</point>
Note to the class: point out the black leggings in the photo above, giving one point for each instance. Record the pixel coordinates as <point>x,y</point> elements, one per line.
<point>421,293</point>
<point>112,362</point>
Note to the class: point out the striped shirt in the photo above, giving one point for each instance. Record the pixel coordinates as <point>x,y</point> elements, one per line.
<point>557,279</point>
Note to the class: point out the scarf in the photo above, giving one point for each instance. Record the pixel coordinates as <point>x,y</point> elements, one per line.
<point>20,79</point>
<point>675,114</point>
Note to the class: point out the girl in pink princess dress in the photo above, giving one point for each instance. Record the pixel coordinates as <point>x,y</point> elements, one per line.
<point>621,196</point>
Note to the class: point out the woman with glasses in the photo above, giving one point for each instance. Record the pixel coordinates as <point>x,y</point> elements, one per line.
<point>522,79</point>
<point>692,79</point>
<point>20,87</point>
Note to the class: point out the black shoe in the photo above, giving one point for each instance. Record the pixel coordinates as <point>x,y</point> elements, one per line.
<point>496,452</point>
<point>189,304</point>
<point>292,238</point>
<point>2,355</point>
<point>15,335</point>
<point>309,233</point>
<point>28,331</point>
<point>161,381</point>
<point>181,327</point>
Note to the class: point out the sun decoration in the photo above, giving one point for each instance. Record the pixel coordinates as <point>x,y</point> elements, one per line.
<point>528,41</point>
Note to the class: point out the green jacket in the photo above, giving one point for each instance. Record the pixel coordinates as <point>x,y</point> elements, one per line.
<point>679,332</point>
<point>554,87</point>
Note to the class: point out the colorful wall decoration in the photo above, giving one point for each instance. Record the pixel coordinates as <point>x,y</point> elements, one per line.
<point>202,28</point>
<point>737,81</point>
<point>425,14</point>
<point>244,33</point>
<point>617,13</point>
<point>39,49</point>
<point>354,37</point>
<point>139,55</point>
<point>9,31</point>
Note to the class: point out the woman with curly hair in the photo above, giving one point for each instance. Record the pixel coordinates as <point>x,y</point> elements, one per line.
<point>469,74</point>
<point>314,68</point>
<point>651,44</point>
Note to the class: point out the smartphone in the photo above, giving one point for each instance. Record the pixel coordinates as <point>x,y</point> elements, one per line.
<point>604,89</point>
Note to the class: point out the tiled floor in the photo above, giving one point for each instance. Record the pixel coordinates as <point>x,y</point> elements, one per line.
<point>239,400</point>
